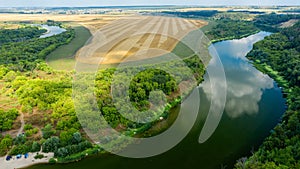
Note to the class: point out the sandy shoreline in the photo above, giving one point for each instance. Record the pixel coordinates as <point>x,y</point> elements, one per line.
<point>22,162</point>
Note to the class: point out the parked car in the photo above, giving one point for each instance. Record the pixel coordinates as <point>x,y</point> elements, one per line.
<point>8,158</point>
<point>19,156</point>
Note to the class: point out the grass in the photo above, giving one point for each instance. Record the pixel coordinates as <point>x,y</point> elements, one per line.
<point>63,57</point>
<point>272,73</point>
<point>182,50</point>
<point>209,26</point>
<point>6,102</point>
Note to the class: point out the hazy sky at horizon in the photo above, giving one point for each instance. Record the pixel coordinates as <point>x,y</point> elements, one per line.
<point>72,3</point>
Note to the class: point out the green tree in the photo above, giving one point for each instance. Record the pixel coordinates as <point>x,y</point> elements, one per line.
<point>51,144</point>
<point>5,144</point>
<point>77,138</point>
<point>66,137</point>
<point>62,152</point>
<point>36,147</point>
<point>47,131</point>
<point>20,139</point>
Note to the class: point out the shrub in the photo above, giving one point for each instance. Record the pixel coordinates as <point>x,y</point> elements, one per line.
<point>38,156</point>
<point>52,161</point>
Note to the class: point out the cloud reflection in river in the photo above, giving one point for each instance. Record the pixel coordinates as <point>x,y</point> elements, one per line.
<point>244,90</point>
<point>245,84</point>
<point>239,48</point>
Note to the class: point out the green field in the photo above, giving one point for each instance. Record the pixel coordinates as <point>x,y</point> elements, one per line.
<point>209,26</point>
<point>63,57</point>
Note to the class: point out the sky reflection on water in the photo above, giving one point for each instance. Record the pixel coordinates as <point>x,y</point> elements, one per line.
<point>245,84</point>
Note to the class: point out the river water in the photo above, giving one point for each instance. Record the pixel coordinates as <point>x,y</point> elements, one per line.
<point>51,30</point>
<point>254,105</point>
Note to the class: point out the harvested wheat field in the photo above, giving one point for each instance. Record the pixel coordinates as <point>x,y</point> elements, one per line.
<point>135,38</point>
<point>92,22</point>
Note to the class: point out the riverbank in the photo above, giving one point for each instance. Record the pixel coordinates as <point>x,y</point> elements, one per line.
<point>233,37</point>
<point>22,162</point>
<point>263,67</point>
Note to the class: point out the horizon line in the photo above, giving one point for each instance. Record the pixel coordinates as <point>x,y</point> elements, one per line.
<point>124,6</point>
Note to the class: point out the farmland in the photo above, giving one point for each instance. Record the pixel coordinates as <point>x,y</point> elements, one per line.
<point>93,22</point>
<point>117,36</point>
<point>132,38</point>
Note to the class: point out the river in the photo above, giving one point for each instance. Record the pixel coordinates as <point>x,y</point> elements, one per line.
<point>51,30</point>
<point>254,105</point>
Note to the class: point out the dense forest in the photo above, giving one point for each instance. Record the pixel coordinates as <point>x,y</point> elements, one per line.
<point>20,34</point>
<point>25,55</point>
<point>230,29</point>
<point>278,55</point>
<point>271,21</point>
<point>150,79</point>
<point>234,26</point>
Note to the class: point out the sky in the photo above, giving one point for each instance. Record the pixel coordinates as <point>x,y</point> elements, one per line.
<point>74,3</point>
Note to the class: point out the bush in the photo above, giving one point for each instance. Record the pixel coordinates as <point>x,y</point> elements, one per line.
<point>3,71</point>
<point>28,127</point>
<point>5,144</point>
<point>38,156</point>
<point>35,147</point>
<point>10,76</point>
<point>20,139</point>
<point>79,156</point>
<point>51,144</point>
<point>20,149</point>
<point>7,119</point>
<point>47,131</point>
<point>44,67</point>
<point>30,132</point>
<point>52,161</point>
